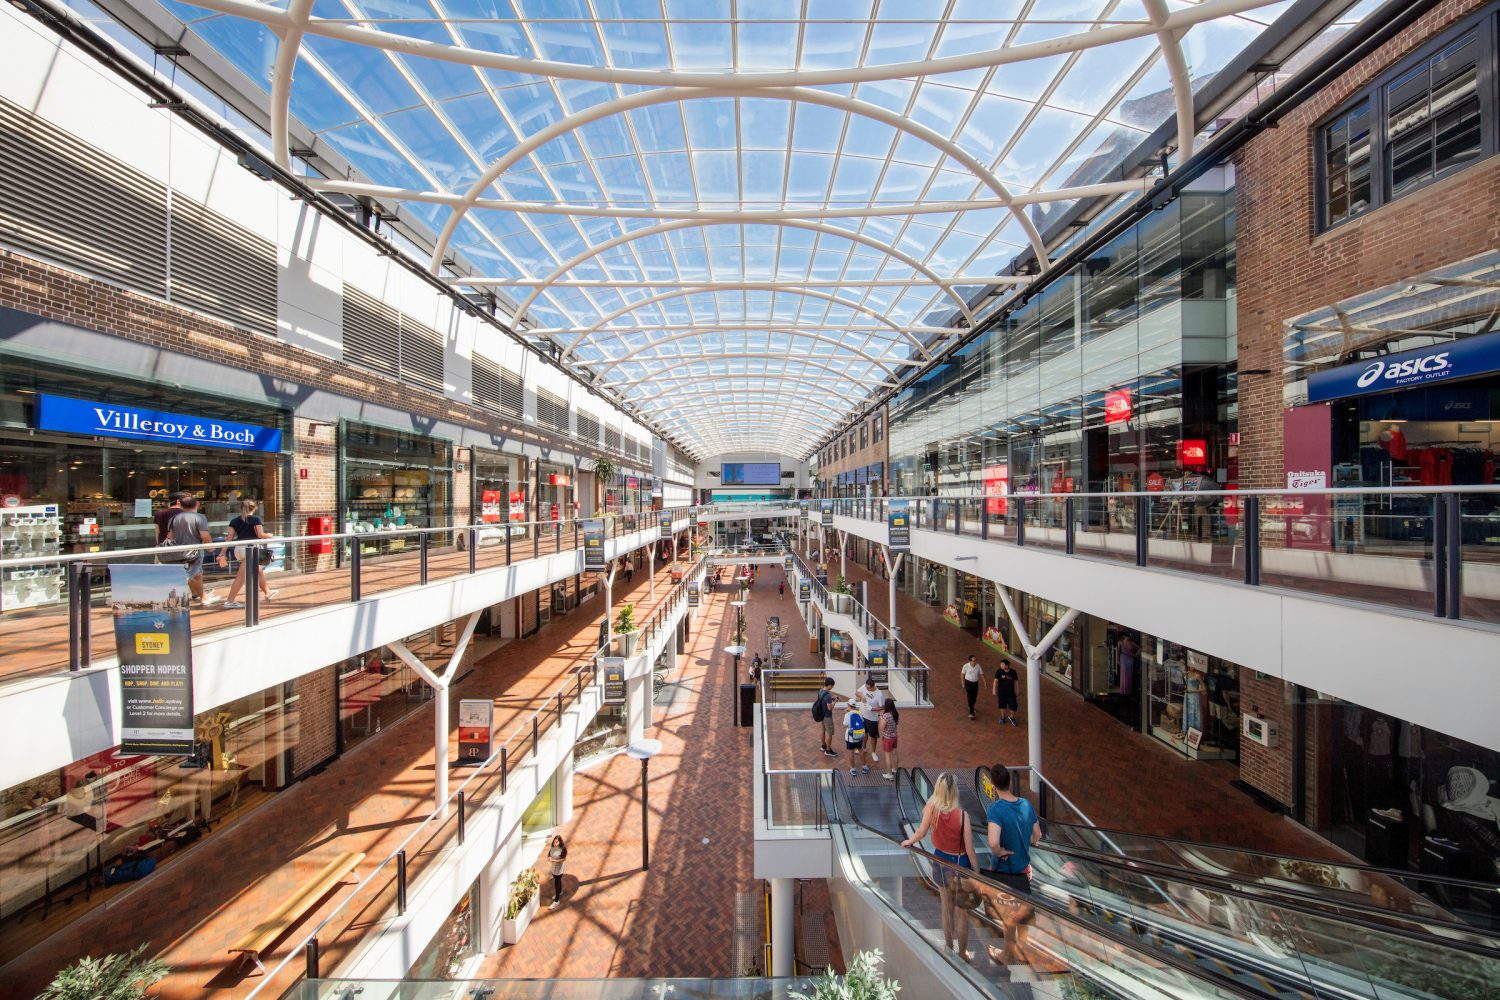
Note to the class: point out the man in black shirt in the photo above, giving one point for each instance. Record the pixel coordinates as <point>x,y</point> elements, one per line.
<point>1004,689</point>
<point>167,514</point>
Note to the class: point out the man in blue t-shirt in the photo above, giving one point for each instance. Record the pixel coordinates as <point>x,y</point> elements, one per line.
<point>1013,829</point>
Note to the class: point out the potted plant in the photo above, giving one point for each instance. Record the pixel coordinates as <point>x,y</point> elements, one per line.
<point>604,473</point>
<point>843,597</point>
<point>625,629</point>
<point>525,896</point>
<point>863,981</point>
<point>113,977</point>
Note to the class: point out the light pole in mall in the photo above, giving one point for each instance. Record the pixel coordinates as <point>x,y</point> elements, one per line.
<point>643,751</point>
<point>737,649</point>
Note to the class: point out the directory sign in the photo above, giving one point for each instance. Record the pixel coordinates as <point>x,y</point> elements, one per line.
<point>476,725</point>
<point>593,547</point>
<point>154,643</point>
<point>614,679</point>
<point>827,513</point>
<point>898,518</point>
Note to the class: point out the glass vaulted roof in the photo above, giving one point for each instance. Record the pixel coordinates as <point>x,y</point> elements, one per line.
<point>740,216</point>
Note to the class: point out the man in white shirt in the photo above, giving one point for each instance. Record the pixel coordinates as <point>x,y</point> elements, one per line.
<point>871,700</point>
<point>973,674</point>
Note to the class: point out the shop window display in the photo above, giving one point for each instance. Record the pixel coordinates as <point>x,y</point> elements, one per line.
<point>1193,701</point>
<point>393,480</point>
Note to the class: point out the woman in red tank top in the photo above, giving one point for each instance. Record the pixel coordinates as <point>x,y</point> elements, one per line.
<point>952,842</point>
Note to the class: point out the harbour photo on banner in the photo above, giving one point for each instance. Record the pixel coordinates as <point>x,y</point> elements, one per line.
<point>154,641</point>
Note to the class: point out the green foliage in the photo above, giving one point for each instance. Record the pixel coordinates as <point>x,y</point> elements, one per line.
<point>113,977</point>
<point>625,620</point>
<point>521,890</point>
<point>843,587</point>
<point>863,981</point>
<point>604,471</point>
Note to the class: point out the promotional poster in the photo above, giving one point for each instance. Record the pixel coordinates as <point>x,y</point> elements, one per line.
<point>593,547</point>
<point>878,661</point>
<point>476,718</point>
<point>899,518</point>
<point>804,591</point>
<point>614,679</point>
<point>666,524</point>
<point>693,595</point>
<point>154,641</point>
<point>827,514</point>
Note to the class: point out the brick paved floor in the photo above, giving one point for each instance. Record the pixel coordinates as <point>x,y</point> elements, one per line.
<point>367,800</point>
<point>677,919</point>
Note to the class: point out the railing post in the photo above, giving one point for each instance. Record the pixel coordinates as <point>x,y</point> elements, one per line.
<point>463,816</point>
<point>504,767</point>
<point>535,735</point>
<point>354,560</point>
<point>252,585</point>
<point>1455,532</point>
<point>1142,528</point>
<point>984,519</point>
<point>559,706</point>
<point>80,629</point>
<point>536,538</point>
<point>557,535</point>
<point>401,881</point>
<point>310,952</point>
<point>1252,541</point>
<point>507,543</point>
<point>1020,520</point>
<point>1070,540</point>
<point>1440,555</point>
<point>473,548</point>
<point>575,532</point>
<point>424,545</point>
<point>958,516</point>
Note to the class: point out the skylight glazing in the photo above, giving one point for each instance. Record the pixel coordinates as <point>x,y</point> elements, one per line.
<point>742,217</point>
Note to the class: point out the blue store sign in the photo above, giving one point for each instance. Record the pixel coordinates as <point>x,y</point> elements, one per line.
<point>1424,366</point>
<point>79,416</point>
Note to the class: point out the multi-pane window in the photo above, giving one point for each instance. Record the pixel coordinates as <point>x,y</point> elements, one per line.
<point>1346,164</point>
<point>864,436</point>
<point>1429,117</point>
<point>877,428</point>
<point>1432,115</point>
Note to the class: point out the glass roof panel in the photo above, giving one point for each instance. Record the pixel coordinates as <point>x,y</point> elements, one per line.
<point>743,191</point>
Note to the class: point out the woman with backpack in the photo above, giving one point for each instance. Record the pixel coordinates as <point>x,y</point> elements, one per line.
<point>247,527</point>
<point>952,842</point>
<point>854,739</point>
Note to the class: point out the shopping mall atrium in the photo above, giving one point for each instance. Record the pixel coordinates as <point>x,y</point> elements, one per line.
<point>561,499</point>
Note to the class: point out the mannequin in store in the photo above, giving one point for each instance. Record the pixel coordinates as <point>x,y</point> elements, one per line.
<point>1128,649</point>
<point>1192,701</point>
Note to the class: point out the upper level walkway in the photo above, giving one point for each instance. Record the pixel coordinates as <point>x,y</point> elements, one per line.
<point>1307,586</point>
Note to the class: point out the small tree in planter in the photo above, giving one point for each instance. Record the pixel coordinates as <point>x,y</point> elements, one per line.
<point>625,628</point>
<point>604,472</point>
<point>522,905</point>
<point>843,595</point>
<point>113,977</point>
<point>863,981</point>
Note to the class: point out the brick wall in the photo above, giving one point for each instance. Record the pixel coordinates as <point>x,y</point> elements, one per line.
<point>1266,769</point>
<point>859,458</point>
<point>317,719</point>
<point>1286,269</point>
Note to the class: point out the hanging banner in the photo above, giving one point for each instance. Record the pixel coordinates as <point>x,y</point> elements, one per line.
<point>614,679</point>
<point>517,505</point>
<point>898,517</point>
<point>593,547</point>
<point>786,564</point>
<point>802,510</point>
<point>476,725</point>
<point>665,519</point>
<point>489,506</point>
<point>804,591</point>
<point>154,642</point>
<point>693,592</point>
<point>878,661</point>
<point>827,520</point>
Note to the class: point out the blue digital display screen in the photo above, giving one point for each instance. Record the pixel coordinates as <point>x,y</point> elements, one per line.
<point>750,474</point>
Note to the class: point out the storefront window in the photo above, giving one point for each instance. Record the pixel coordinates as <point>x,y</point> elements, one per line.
<point>1059,660</point>
<point>554,493</point>
<point>1193,701</point>
<point>455,943</point>
<point>375,690</point>
<point>110,818</point>
<point>392,480</point>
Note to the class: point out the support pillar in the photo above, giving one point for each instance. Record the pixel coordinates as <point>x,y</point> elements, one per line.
<point>843,542</point>
<point>637,706</point>
<point>562,790</point>
<point>439,684</point>
<point>783,940</point>
<point>494,895</point>
<point>651,556</point>
<point>1034,653</point>
<point>893,566</point>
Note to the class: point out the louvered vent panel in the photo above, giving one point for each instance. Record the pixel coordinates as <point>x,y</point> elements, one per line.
<point>421,355</point>
<point>588,428</point>
<point>486,382</point>
<point>221,268</point>
<point>372,333</point>
<point>512,394</point>
<point>551,410</point>
<point>611,439</point>
<point>66,201</point>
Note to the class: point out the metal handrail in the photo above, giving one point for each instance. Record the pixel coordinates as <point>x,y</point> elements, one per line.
<point>521,733</point>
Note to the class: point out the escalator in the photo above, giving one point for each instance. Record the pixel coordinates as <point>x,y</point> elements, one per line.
<point>1263,946</point>
<point>1435,904</point>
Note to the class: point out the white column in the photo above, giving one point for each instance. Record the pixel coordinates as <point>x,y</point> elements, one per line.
<point>1034,710</point>
<point>892,567</point>
<point>783,922</point>
<point>651,555</point>
<point>843,541</point>
<point>440,747</point>
<point>494,890</point>
<point>637,707</point>
<point>562,785</point>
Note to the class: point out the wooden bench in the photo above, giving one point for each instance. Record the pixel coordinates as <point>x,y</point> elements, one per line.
<point>272,928</point>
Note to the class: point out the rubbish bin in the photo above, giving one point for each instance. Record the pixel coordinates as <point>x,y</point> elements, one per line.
<point>747,704</point>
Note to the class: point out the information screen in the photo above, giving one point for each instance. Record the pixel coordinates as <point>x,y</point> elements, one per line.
<point>750,474</point>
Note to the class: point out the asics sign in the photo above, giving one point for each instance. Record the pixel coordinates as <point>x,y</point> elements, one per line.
<point>1458,359</point>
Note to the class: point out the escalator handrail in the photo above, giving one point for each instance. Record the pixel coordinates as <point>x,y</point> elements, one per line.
<point>1283,898</point>
<point>1047,906</point>
<point>1396,873</point>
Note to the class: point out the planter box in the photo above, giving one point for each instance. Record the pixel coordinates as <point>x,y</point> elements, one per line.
<point>841,604</point>
<point>511,930</point>
<point>627,642</point>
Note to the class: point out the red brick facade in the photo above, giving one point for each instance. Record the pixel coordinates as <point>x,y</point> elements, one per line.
<point>1287,268</point>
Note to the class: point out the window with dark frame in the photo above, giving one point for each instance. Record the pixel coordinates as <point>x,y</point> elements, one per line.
<point>1429,116</point>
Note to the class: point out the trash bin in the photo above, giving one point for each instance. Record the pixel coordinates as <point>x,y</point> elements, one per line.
<point>747,704</point>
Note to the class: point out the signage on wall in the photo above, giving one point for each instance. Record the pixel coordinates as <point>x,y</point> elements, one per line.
<point>78,416</point>
<point>1192,453</point>
<point>1307,457</point>
<point>996,489</point>
<point>1117,408</point>
<point>1423,366</point>
<point>593,547</point>
<point>489,506</point>
<point>517,505</point>
<point>476,718</point>
<point>614,679</point>
<point>1155,482</point>
<point>558,479</point>
<point>899,525</point>
<point>154,642</point>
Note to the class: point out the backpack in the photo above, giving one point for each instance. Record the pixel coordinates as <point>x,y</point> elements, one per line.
<point>173,539</point>
<point>856,726</point>
<point>819,708</point>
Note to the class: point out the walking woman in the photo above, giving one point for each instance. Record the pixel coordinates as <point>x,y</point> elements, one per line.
<point>248,527</point>
<point>890,720</point>
<point>953,842</point>
<point>557,854</point>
